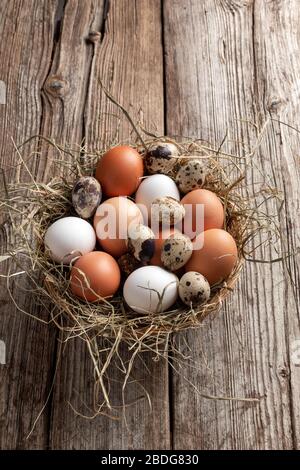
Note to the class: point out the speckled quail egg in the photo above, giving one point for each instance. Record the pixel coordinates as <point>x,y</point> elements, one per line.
<point>86,196</point>
<point>161,157</point>
<point>176,251</point>
<point>128,263</point>
<point>194,289</point>
<point>141,242</point>
<point>191,175</point>
<point>167,210</point>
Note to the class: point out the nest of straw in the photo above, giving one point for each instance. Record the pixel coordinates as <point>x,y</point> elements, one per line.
<point>32,206</point>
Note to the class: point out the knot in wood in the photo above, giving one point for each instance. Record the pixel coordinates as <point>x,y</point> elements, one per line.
<point>275,104</point>
<point>57,86</point>
<point>284,372</point>
<point>94,37</point>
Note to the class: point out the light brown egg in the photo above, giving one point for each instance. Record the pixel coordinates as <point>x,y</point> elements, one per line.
<point>95,275</point>
<point>214,256</point>
<point>111,223</point>
<point>213,216</point>
<point>119,171</point>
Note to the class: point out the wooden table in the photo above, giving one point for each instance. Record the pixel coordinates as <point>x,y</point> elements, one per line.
<point>200,68</point>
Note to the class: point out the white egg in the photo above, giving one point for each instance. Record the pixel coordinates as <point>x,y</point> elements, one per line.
<point>150,289</point>
<point>68,238</point>
<point>153,187</point>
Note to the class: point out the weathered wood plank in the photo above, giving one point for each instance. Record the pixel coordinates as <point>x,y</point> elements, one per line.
<point>60,118</point>
<point>25,52</point>
<point>227,61</point>
<point>224,61</point>
<point>133,73</point>
<point>277,44</point>
<point>65,89</point>
<point>64,96</point>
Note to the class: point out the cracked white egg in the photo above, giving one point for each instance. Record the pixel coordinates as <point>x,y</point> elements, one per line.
<point>150,289</point>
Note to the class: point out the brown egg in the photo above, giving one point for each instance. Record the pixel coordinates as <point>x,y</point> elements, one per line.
<point>95,275</point>
<point>213,216</point>
<point>119,171</point>
<point>111,223</point>
<point>214,256</point>
<point>159,241</point>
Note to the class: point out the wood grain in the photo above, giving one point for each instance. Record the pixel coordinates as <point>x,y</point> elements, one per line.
<point>58,89</point>
<point>225,62</point>
<point>25,51</point>
<point>204,68</point>
<point>132,71</point>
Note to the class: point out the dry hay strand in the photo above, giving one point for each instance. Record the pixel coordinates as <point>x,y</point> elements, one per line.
<point>30,207</point>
